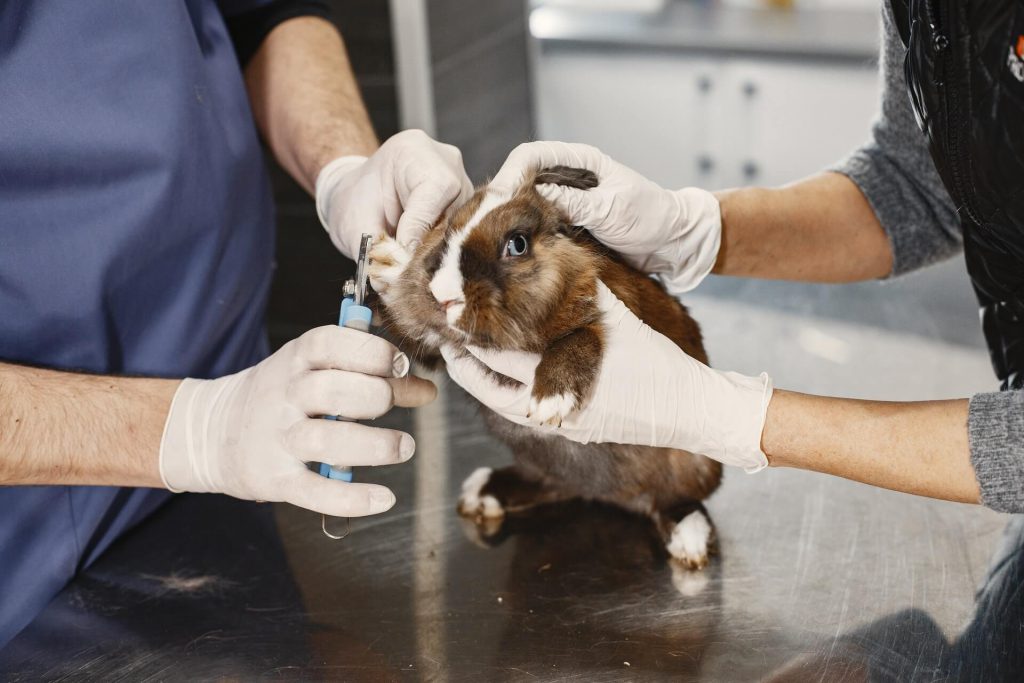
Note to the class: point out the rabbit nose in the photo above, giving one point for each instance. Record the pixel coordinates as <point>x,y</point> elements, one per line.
<point>452,309</point>
<point>448,303</point>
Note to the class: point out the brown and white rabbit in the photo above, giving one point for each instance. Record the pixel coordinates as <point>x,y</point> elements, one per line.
<point>510,272</point>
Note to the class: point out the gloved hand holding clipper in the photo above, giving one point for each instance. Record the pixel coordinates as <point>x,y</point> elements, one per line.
<point>250,434</point>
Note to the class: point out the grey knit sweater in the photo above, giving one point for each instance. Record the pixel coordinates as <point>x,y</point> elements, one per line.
<point>896,174</point>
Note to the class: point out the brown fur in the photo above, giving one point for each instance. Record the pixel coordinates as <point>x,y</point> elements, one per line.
<point>545,303</point>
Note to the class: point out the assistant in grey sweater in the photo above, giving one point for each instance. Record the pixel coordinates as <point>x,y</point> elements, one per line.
<point>895,172</point>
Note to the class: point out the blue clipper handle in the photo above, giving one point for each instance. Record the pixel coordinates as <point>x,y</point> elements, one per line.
<point>354,317</point>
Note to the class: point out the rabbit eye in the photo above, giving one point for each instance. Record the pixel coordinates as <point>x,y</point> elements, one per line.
<point>517,245</point>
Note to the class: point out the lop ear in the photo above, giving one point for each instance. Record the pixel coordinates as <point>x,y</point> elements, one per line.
<point>579,178</point>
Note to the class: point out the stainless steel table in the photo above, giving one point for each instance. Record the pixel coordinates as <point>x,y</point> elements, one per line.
<point>815,579</point>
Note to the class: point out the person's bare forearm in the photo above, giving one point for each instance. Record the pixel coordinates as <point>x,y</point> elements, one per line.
<point>305,98</point>
<point>919,448</point>
<point>821,229</point>
<point>70,428</point>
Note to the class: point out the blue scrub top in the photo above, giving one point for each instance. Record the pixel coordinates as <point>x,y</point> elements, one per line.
<point>136,234</point>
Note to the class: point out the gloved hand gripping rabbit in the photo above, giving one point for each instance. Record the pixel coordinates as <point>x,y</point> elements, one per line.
<point>508,272</point>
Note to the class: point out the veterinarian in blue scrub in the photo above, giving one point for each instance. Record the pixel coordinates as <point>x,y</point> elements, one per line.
<point>943,174</point>
<point>137,240</point>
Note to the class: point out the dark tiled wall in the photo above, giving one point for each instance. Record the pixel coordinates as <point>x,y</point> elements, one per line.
<point>481,79</point>
<point>310,271</point>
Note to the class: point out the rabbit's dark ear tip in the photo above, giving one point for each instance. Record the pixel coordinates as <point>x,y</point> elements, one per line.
<point>580,178</point>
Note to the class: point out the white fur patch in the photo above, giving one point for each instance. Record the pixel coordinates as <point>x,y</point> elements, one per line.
<point>432,338</point>
<point>454,312</point>
<point>446,285</point>
<point>471,503</point>
<point>690,537</point>
<point>551,410</point>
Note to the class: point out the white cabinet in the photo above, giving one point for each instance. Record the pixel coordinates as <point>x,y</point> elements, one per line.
<point>714,121</point>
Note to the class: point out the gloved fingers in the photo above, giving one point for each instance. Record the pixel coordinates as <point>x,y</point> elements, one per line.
<point>338,498</point>
<point>342,348</point>
<point>533,156</point>
<point>453,155</point>
<point>518,365</point>
<point>606,299</point>
<point>466,193</point>
<point>583,207</point>
<point>339,392</point>
<point>466,189</point>
<point>426,203</point>
<point>624,327</point>
<point>428,178</point>
<point>347,444</point>
<point>510,402</point>
<point>412,391</point>
<point>612,309</point>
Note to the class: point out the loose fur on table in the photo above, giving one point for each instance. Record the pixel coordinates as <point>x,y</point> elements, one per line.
<point>512,273</point>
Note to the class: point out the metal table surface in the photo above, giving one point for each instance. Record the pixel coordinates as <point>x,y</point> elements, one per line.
<point>815,578</point>
<point>825,576</point>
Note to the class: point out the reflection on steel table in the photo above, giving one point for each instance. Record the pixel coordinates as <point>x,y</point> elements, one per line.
<point>815,578</point>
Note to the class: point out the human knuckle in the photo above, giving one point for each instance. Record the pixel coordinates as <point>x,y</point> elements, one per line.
<point>519,156</point>
<point>304,438</point>
<point>452,152</point>
<point>297,388</point>
<point>452,186</point>
<point>384,353</point>
<point>313,342</point>
<point>380,396</point>
<point>416,134</point>
<point>375,354</point>
<point>328,387</point>
<point>319,438</point>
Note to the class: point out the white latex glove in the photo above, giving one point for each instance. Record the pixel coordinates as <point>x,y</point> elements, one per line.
<point>250,434</point>
<point>401,190</point>
<point>673,234</point>
<point>648,392</point>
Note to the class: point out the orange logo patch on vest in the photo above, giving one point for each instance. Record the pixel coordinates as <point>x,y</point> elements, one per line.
<point>1015,60</point>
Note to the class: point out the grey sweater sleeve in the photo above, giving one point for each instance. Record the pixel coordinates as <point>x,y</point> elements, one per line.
<point>995,425</point>
<point>895,172</point>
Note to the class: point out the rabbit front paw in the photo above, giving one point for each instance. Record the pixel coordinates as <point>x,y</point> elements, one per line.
<point>552,409</point>
<point>565,376</point>
<point>388,260</point>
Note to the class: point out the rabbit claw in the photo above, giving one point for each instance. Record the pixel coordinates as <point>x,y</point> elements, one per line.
<point>551,410</point>
<point>388,260</point>
<point>474,503</point>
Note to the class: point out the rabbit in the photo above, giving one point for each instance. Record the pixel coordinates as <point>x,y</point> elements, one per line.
<point>512,273</point>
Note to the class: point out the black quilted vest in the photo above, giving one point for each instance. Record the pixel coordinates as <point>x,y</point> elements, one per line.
<point>965,73</point>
